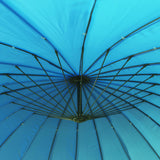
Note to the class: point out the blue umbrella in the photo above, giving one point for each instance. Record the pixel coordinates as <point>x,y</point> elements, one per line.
<point>79,80</point>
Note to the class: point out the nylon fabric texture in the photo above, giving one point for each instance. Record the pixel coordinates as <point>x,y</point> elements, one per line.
<point>79,80</point>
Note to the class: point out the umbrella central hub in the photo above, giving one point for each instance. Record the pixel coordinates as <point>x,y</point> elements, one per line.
<point>81,118</point>
<point>77,79</point>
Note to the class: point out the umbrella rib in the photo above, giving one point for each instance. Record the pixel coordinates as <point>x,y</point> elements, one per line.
<point>118,90</point>
<point>109,82</point>
<point>19,89</point>
<point>11,113</point>
<point>76,149</point>
<point>133,126</point>
<point>66,82</point>
<point>32,91</point>
<point>28,103</point>
<point>133,55</point>
<point>56,106</point>
<point>21,74</point>
<point>21,123</point>
<point>53,141</point>
<point>118,97</point>
<point>133,106</point>
<point>42,89</point>
<point>30,53</point>
<point>51,80</point>
<point>97,111</point>
<point>99,144</point>
<point>126,82</point>
<point>98,140</point>
<point>141,135</point>
<point>116,133</point>
<point>67,104</point>
<point>98,115</point>
<point>54,138</point>
<point>27,149</point>
<point>48,114</point>
<point>26,66</point>
<point>131,81</point>
<point>41,112</point>
<point>124,75</point>
<point>94,98</point>
<point>111,112</point>
<point>34,100</point>
<point>81,62</point>
<point>40,97</point>
<point>123,93</point>
<point>84,40</point>
<point>36,30</point>
<point>119,138</point>
<point>139,132</point>
<point>123,38</point>
<point>136,88</point>
<point>96,80</point>
<point>130,67</point>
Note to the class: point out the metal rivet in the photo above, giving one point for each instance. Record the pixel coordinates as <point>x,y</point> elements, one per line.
<point>123,37</point>
<point>43,38</point>
<point>154,48</point>
<point>13,47</point>
<point>84,34</point>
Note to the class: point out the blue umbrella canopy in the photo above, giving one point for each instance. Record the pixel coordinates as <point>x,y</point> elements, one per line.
<point>79,80</point>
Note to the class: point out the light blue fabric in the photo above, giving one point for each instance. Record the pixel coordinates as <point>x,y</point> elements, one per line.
<point>95,61</point>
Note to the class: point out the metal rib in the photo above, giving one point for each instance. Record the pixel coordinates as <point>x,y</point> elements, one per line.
<point>42,89</point>
<point>122,39</point>
<point>84,40</point>
<point>52,81</point>
<point>36,100</point>
<point>52,145</point>
<point>66,81</point>
<point>124,83</point>
<point>108,84</point>
<point>37,31</point>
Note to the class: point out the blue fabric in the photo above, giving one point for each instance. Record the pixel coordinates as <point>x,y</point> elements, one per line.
<point>94,61</point>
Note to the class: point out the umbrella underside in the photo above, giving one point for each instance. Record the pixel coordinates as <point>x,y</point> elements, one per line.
<point>90,61</point>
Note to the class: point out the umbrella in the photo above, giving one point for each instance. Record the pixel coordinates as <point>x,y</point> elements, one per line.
<point>79,80</point>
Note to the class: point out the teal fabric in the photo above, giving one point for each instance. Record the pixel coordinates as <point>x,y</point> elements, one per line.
<point>56,56</point>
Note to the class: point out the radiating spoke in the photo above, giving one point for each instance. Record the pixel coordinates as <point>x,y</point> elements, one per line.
<point>126,75</point>
<point>38,32</point>
<point>128,102</point>
<point>130,95</point>
<point>124,84</point>
<point>23,88</point>
<point>107,85</point>
<point>30,53</point>
<point>141,82</point>
<point>42,89</point>
<point>129,67</point>
<point>33,91</point>
<point>123,114</point>
<point>34,100</point>
<point>52,81</point>
<point>122,39</point>
<point>74,106</point>
<point>106,116</point>
<point>110,108</point>
<point>84,40</point>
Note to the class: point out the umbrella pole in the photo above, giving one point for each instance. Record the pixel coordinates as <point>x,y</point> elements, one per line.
<point>79,98</point>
